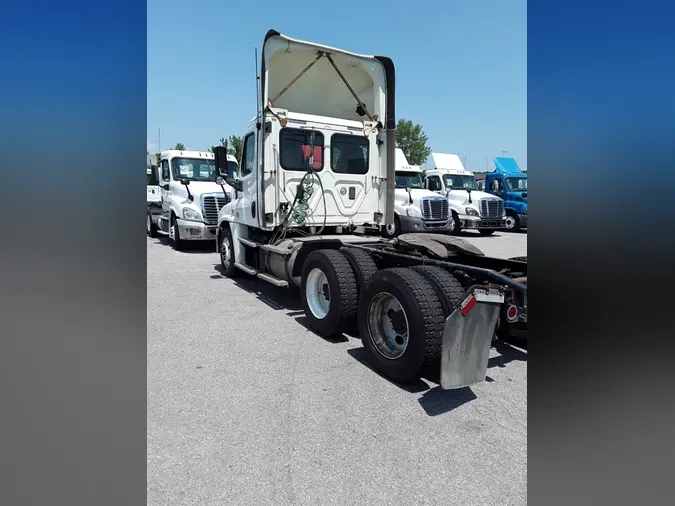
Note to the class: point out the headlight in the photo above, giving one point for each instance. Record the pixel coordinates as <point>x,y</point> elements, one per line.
<point>411,211</point>
<point>190,214</point>
<point>471,211</point>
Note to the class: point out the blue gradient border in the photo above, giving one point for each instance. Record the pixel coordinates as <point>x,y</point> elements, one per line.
<point>73,254</point>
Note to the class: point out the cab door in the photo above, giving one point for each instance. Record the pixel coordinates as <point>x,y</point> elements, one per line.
<point>245,209</point>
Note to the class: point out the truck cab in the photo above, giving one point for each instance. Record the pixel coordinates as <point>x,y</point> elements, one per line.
<point>509,183</point>
<point>190,197</point>
<point>153,195</point>
<point>416,209</point>
<point>470,208</point>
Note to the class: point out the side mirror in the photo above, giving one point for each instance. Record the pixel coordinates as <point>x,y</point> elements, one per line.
<point>236,184</point>
<point>185,181</point>
<point>220,159</point>
<point>165,186</point>
<point>220,181</point>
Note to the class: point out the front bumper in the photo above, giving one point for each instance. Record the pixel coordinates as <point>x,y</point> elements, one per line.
<point>195,230</point>
<point>522,218</point>
<point>474,222</point>
<point>411,224</point>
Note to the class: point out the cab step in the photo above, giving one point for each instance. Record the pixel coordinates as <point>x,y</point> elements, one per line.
<point>246,269</point>
<point>273,280</point>
<point>249,243</point>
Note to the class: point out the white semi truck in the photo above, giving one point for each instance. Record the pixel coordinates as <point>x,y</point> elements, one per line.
<point>319,161</point>
<point>154,198</point>
<point>416,209</point>
<point>190,198</point>
<point>470,208</point>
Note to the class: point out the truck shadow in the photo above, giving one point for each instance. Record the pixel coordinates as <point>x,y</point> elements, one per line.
<point>277,298</point>
<point>507,353</point>
<point>434,400</point>
<point>190,246</point>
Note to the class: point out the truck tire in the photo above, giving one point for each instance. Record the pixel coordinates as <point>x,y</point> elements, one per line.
<point>151,226</point>
<point>455,225</point>
<point>512,222</point>
<point>226,253</point>
<point>364,267</point>
<point>174,234</point>
<point>362,264</point>
<point>447,286</point>
<point>394,230</point>
<point>329,292</point>
<point>486,232</point>
<point>401,323</point>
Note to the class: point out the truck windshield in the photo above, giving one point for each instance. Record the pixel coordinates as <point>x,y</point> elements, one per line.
<point>194,169</point>
<point>516,184</point>
<point>460,181</point>
<point>409,180</point>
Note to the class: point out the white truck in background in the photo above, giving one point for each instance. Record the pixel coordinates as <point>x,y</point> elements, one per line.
<point>470,208</point>
<point>416,209</point>
<point>190,198</point>
<point>154,198</point>
<point>318,164</point>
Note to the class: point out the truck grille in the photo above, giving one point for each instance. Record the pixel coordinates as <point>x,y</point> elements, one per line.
<point>435,209</point>
<point>491,208</point>
<point>211,204</point>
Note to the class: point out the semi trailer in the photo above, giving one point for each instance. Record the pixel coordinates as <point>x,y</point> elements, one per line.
<point>313,193</point>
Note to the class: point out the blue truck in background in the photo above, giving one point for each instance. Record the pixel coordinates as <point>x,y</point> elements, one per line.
<point>510,184</point>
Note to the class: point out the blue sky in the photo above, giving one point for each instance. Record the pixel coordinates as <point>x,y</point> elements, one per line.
<point>461,66</point>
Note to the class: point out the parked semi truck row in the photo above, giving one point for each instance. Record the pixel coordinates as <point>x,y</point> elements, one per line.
<point>319,161</point>
<point>509,183</point>
<point>188,201</point>
<point>470,208</point>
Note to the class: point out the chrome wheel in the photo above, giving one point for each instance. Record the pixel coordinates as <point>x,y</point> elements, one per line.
<point>510,222</point>
<point>317,293</point>
<point>388,325</point>
<point>149,224</point>
<point>172,232</point>
<point>225,252</point>
<point>390,229</point>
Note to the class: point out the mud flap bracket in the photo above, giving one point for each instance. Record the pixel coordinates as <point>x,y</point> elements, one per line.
<point>467,337</point>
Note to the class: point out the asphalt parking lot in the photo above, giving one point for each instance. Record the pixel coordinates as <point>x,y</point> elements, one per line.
<point>246,406</point>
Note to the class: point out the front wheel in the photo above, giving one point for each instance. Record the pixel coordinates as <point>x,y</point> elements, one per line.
<point>454,224</point>
<point>226,251</point>
<point>174,235</point>
<point>151,226</point>
<point>512,222</point>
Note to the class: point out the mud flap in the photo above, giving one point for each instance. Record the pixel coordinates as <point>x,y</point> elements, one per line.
<point>468,335</point>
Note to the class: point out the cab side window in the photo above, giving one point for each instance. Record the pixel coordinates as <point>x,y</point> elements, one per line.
<point>165,171</point>
<point>248,155</point>
<point>434,183</point>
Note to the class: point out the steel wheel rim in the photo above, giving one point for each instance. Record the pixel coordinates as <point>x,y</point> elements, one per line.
<point>391,229</point>
<point>452,222</point>
<point>388,326</point>
<point>172,232</point>
<point>510,223</point>
<point>317,293</point>
<point>149,223</point>
<point>225,253</point>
